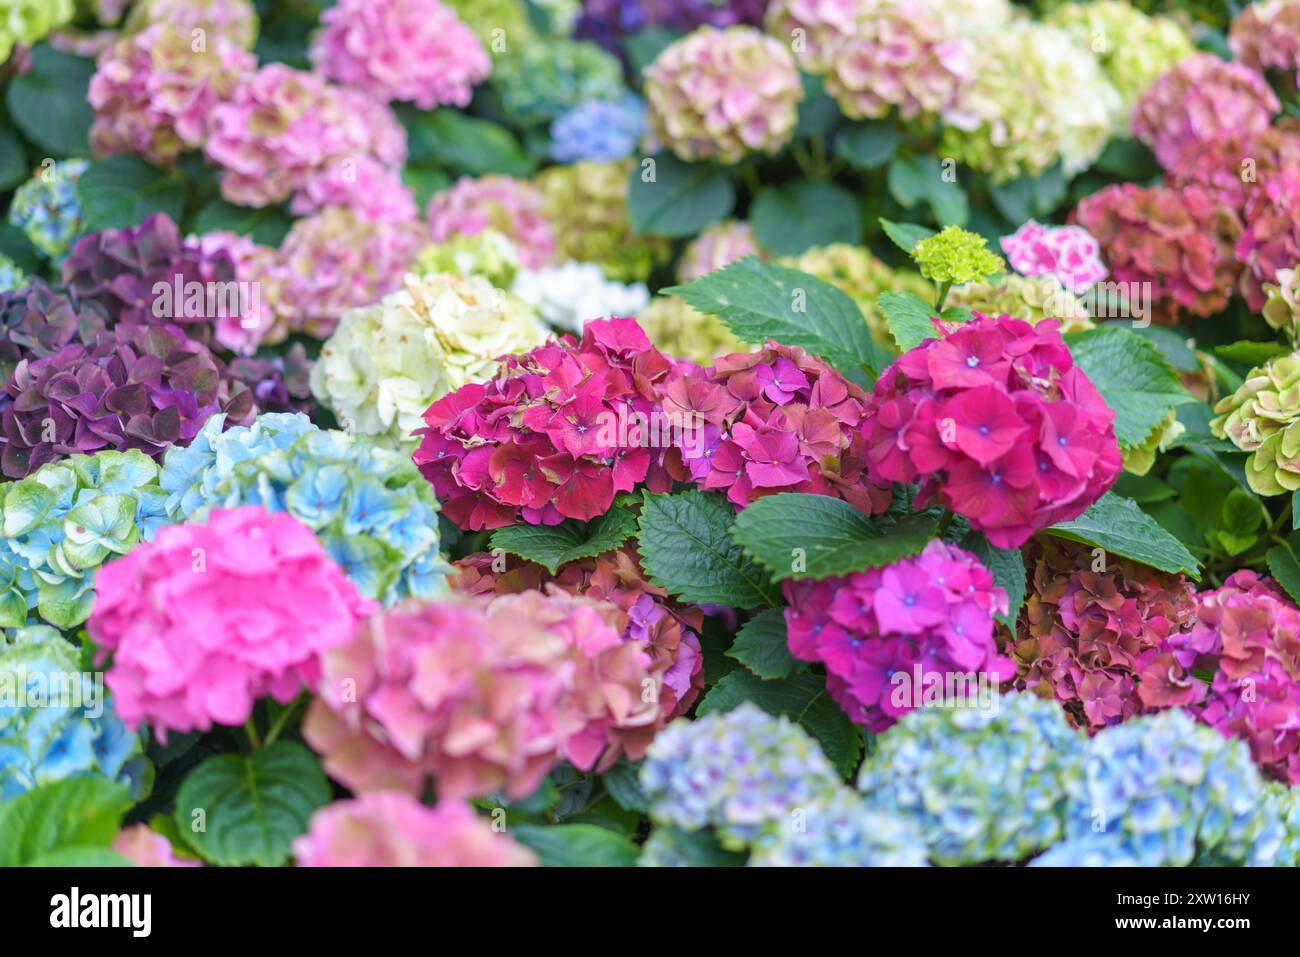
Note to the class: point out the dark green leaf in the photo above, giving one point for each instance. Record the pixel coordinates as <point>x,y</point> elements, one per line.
<point>698,848</point>
<point>905,235</point>
<point>48,103</point>
<point>868,145</point>
<point>1282,564</point>
<point>577,845</point>
<point>1251,353</point>
<point>624,786</point>
<point>793,217</point>
<point>1119,526</point>
<point>554,545</point>
<point>463,143</point>
<point>267,225</point>
<point>761,647</point>
<point>680,199</point>
<point>72,813</point>
<point>122,191</point>
<point>13,160</point>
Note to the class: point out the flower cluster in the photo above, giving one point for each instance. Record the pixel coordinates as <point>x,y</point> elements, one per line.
<point>1263,418</point>
<point>232,21</point>
<point>586,205</point>
<point>599,131</point>
<point>153,95</point>
<point>1087,637</point>
<point>985,785</point>
<point>47,208</point>
<point>775,420</point>
<point>488,253</point>
<point>538,82</point>
<point>1283,805</point>
<point>54,722</point>
<point>841,831</point>
<point>608,21</point>
<point>392,829</point>
<point>567,296</point>
<point>386,363</point>
<point>1232,167</point>
<point>1031,299</point>
<point>24,22</point>
<point>482,696</point>
<point>1161,791</point>
<point>511,207</point>
<point>682,331</point>
<point>207,618</point>
<point>723,94</point>
<point>716,246</point>
<point>1270,240</point>
<point>1266,36</point>
<point>485,17</point>
<point>1068,254</point>
<point>283,127</point>
<point>37,321</point>
<point>1201,100</point>
<point>145,847</point>
<point>667,629</point>
<point>416,50</point>
<point>888,637</point>
<point>956,255</point>
<point>1282,308</point>
<point>998,424</point>
<point>370,509</point>
<point>255,266</point>
<point>62,523</point>
<point>556,434</point>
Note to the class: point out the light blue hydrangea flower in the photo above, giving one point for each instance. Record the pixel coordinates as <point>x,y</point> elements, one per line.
<point>56,721</point>
<point>599,130</point>
<point>842,831</point>
<point>983,785</point>
<point>1166,791</point>
<point>744,772</point>
<point>11,275</point>
<point>1283,804</point>
<point>65,520</point>
<point>370,507</point>
<point>47,207</point>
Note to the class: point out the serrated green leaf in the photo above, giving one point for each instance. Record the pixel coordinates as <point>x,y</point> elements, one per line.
<point>253,806</point>
<point>1284,567</point>
<point>1008,568</point>
<point>72,813</point>
<point>623,783</point>
<point>81,857</point>
<point>1133,377</point>
<point>554,545</point>
<point>1251,353</point>
<point>905,235</point>
<point>681,199</point>
<point>802,698</point>
<point>793,217</point>
<point>698,848</point>
<point>760,301</point>
<point>686,548</point>
<point>761,646</point>
<point>1174,345</point>
<point>48,102</point>
<point>914,179</point>
<point>1119,526</point>
<point>576,845</point>
<point>121,191</point>
<point>798,535</point>
<point>908,317</point>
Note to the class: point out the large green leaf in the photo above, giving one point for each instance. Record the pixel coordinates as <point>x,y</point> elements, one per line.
<point>267,225</point>
<point>556,545</point>
<point>576,845</point>
<point>793,217</point>
<point>13,160</point>
<point>680,198</point>
<point>121,191</point>
<point>463,143</point>
<point>905,235</point>
<point>687,549</point>
<point>252,806</point>
<point>1118,525</point>
<point>1282,563</point>
<point>915,179</point>
<point>797,535</point>
<point>868,145</point>
<point>48,102</point>
<point>75,813</point>
<point>761,646</point>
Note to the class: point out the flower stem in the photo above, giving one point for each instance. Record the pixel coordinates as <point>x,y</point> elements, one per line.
<point>250,728</point>
<point>942,297</point>
<point>278,725</point>
<point>944,522</point>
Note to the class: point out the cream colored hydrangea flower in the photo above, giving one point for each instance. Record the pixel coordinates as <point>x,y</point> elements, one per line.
<point>682,331</point>
<point>386,363</point>
<point>1263,418</point>
<point>1282,310</point>
<point>1139,459</point>
<point>1031,298</point>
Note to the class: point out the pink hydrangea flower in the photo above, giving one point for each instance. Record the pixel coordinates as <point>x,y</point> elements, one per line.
<point>153,96</point>
<point>556,434</point>
<point>776,420</point>
<point>416,50</point>
<point>392,829</point>
<point>821,24</point>
<point>1266,35</point>
<point>1070,254</point>
<point>1218,167</point>
<point>878,632</point>
<point>717,246</point>
<point>996,423</point>
<point>283,126</point>
<point>368,187</point>
<point>1271,238</point>
<point>483,696</point>
<point>146,848</point>
<point>207,618</point>
<point>1201,100</point>
<point>510,206</point>
<point>254,268</point>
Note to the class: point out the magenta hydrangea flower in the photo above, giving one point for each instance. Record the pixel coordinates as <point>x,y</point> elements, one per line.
<point>776,420</point>
<point>1070,254</point>
<point>281,127</point>
<point>254,264</point>
<point>483,696</point>
<point>1271,238</point>
<point>512,207</point>
<point>556,434</point>
<point>392,829</point>
<point>997,423</point>
<point>880,632</point>
<point>415,50</point>
<point>1201,100</point>
<point>209,617</point>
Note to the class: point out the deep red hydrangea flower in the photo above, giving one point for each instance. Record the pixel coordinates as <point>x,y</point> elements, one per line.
<point>1085,635</point>
<point>1248,634</point>
<point>667,629</point>
<point>1271,239</point>
<point>776,420</point>
<point>996,423</point>
<point>556,434</point>
<point>1178,240</point>
<point>880,632</point>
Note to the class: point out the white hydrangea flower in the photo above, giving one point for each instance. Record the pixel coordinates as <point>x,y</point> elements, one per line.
<point>567,296</point>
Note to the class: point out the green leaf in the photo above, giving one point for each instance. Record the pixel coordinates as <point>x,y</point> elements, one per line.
<point>13,160</point>
<point>48,103</point>
<point>686,548</point>
<point>267,225</point>
<point>1251,353</point>
<point>915,179</point>
<point>798,535</point>
<point>554,545</point>
<point>682,198</point>
<point>72,813</point>
<point>463,143</point>
<point>577,845</point>
<point>253,806</point>
<point>818,113</point>
<point>905,235</point>
<point>1008,568</point>
<point>80,857</point>
<point>793,217</point>
<point>1029,197</point>
<point>623,784</point>
<point>1133,377</point>
<point>802,698</point>
<point>1174,345</point>
<point>760,301</point>
<point>698,848</point>
<point>868,145</point>
<point>15,244</point>
<point>645,45</point>
<point>908,317</point>
<point>1284,567</point>
<point>1119,526</point>
<point>122,190</point>
<point>761,646</point>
